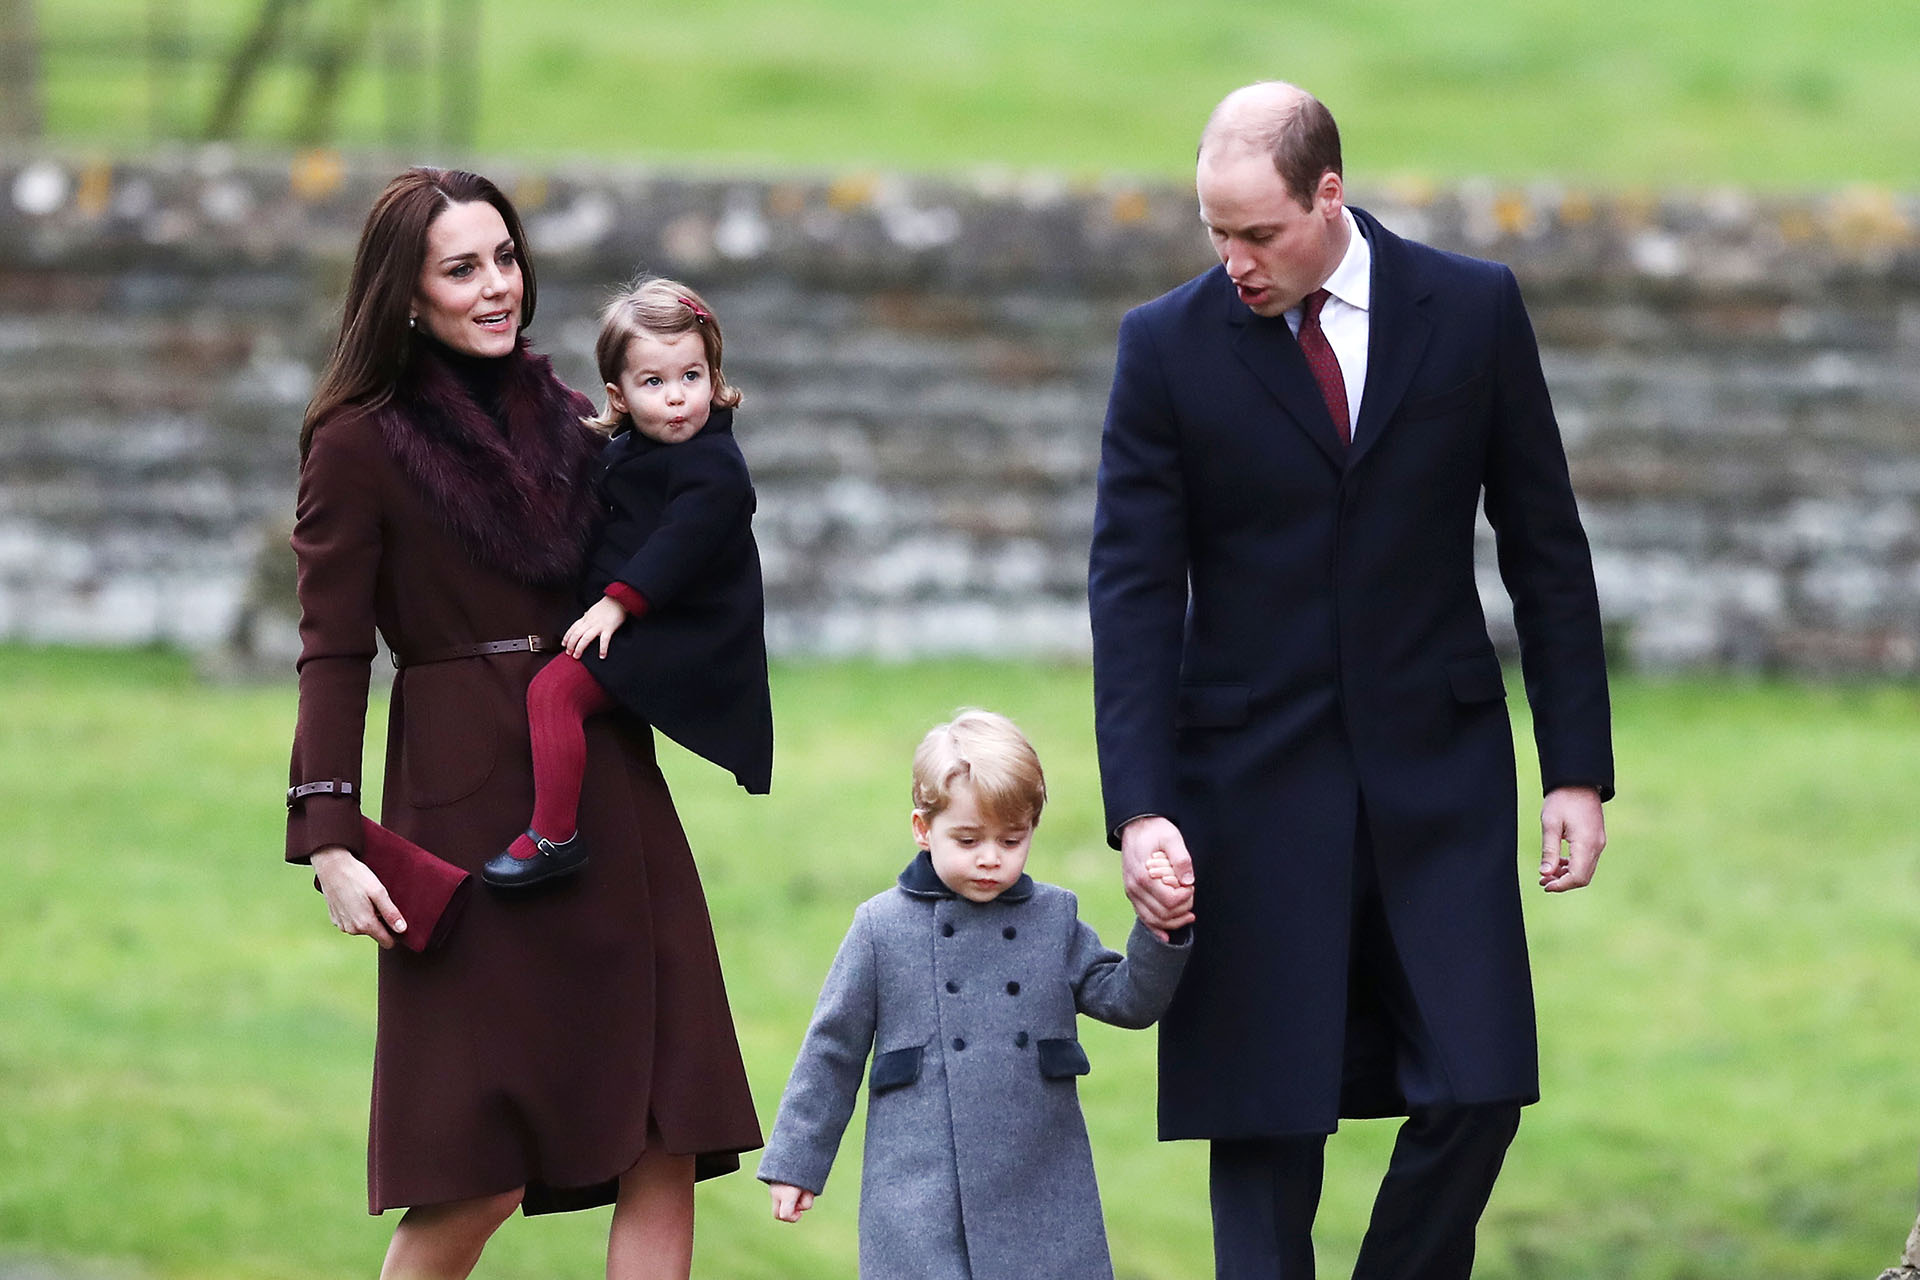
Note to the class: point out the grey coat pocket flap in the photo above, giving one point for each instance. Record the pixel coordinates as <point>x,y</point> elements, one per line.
<point>895,1068</point>
<point>1477,680</point>
<point>1063,1059</point>
<point>1212,706</point>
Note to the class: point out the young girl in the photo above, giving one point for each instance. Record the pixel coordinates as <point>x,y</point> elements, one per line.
<point>676,634</point>
<point>963,982</point>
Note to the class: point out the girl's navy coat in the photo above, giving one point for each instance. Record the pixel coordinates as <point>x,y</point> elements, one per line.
<point>679,531</point>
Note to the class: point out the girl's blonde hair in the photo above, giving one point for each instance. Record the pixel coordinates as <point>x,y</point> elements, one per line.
<point>666,309</point>
<point>989,751</point>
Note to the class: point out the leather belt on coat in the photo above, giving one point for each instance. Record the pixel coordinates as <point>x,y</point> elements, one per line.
<point>519,644</point>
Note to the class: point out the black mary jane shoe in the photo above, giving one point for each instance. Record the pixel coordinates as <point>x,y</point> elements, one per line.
<point>504,871</point>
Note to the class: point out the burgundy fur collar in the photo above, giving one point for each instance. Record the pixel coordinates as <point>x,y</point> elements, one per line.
<point>522,503</point>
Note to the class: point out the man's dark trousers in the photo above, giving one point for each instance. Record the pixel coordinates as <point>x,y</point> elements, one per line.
<point>1445,1159</point>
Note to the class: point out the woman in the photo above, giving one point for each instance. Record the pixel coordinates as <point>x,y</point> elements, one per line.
<point>559,1051</point>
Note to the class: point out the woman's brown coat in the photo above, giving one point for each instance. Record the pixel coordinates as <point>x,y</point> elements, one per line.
<point>555,1036</point>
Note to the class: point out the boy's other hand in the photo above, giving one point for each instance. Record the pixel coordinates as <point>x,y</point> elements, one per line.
<point>598,623</point>
<point>789,1202</point>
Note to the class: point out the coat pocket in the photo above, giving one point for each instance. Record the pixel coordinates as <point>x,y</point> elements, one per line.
<point>448,740</point>
<point>1212,706</point>
<point>1063,1059</point>
<point>1477,679</point>
<point>895,1068</point>
<point>1441,403</point>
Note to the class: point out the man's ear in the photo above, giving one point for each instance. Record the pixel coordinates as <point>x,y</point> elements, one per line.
<point>922,830</point>
<point>1332,191</point>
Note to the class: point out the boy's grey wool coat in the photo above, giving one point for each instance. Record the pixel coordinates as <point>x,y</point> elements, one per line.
<point>977,1165</point>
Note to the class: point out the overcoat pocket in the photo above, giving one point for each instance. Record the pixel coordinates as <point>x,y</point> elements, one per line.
<point>1477,679</point>
<point>448,736</point>
<point>1063,1059</point>
<point>1212,706</point>
<point>1441,403</point>
<point>895,1068</point>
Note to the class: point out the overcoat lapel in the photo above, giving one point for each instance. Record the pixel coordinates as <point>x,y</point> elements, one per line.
<point>1269,350</point>
<point>1398,329</point>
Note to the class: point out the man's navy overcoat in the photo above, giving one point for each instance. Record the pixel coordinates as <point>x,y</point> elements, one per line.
<point>1288,636</point>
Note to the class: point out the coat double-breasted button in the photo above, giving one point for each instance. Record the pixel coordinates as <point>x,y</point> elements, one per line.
<point>1020,1041</point>
<point>959,1045</point>
<point>946,931</point>
<point>1013,988</point>
<point>953,988</point>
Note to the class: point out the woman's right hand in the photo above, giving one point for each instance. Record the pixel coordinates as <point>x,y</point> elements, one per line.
<point>356,900</point>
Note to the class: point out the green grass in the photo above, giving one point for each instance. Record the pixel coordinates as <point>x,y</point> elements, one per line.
<point>1727,1014</point>
<point>1642,93</point>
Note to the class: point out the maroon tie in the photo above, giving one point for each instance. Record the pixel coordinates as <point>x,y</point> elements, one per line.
<point>1326,369</point>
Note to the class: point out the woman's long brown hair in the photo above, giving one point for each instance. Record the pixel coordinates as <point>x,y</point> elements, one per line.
<point>371,351</point>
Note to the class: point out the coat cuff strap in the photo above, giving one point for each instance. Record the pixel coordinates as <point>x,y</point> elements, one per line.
<point>335,787</point>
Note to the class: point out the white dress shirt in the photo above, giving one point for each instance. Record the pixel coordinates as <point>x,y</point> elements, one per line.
<point>1344,318</point>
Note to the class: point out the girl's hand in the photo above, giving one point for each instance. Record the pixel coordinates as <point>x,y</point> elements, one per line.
<point>598,623</point>
<point>356,900</point>
<point>789,1202</point>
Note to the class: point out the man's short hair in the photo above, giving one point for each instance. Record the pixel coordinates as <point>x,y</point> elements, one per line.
<point>989,751</point>
<point>1300,136</point>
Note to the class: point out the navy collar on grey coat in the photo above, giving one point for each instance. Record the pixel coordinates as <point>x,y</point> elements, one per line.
<point>920,880</point>
<point>1397,330</point>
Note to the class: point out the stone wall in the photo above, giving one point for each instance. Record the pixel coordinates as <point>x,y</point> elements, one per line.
<point>1738,379</point>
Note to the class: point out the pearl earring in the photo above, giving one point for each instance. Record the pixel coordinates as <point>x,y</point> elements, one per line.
<point>410,321</point>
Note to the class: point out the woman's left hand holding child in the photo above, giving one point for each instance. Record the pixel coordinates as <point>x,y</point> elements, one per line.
<point>597,623</point>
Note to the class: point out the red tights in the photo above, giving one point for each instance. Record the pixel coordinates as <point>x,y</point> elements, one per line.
<point>559,700</point>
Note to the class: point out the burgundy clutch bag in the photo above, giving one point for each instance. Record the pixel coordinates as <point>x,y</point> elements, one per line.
<point>429,891</point>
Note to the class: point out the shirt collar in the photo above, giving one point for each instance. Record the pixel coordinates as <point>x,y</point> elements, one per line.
<point>1352,280</point>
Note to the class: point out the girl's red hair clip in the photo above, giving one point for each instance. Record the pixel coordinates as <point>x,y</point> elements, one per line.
<point>699,312</point>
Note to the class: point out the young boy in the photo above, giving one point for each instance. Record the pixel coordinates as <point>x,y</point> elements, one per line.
<point>964,982</point>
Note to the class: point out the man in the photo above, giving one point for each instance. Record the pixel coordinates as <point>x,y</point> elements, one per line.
<point>1298,705</point>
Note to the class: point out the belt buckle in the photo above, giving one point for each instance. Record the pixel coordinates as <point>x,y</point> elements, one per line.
<point>535,645</point>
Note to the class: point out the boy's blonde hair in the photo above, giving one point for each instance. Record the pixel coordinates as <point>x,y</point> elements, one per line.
<point>665,308</point>
<point>989,751</point>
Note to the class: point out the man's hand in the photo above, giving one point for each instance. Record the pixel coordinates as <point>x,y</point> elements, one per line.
<point>1570,816</point>
<point>789,1202</point>
<point>1158,873</point>
<point>597,623</point>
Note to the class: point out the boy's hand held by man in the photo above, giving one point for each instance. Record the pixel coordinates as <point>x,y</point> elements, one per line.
<point>1158,873</point>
